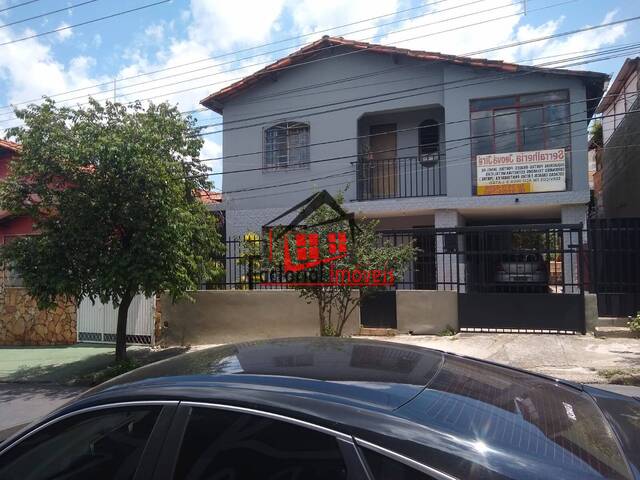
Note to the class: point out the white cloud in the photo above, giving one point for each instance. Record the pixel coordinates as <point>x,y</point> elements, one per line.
<point>225,24</point>
<point>447,29</point>
<point>62,35</point>
<point>155,32</point>
<point>312,15</point>
<point>473,28</point>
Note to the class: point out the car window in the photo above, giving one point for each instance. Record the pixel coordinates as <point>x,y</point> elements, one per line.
<point>228,445</point>
<point>104,444</point>
<point>382,467</point>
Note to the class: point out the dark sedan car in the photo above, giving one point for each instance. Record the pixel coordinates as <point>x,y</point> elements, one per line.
<point>309,409</point>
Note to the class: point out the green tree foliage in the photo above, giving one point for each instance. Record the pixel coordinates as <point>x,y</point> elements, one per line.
<point>112,191</point>
<point>366,253</point>
<point>596,133</point>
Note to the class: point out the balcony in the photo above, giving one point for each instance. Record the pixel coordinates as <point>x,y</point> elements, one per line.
<point>405,177</point>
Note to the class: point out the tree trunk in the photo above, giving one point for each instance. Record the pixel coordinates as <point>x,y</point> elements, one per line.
<point>121,332</point>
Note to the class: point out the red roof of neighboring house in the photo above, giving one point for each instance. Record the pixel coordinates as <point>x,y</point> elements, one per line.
<point>9,145</point>
<point>215,100</point>
<point>208,197</point>
<point>630,65</point>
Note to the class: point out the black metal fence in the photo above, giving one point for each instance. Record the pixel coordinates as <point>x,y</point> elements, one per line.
<point>522,259</point>
<point>490,259</point>
<point>614,265</point>
<point>400,177</point>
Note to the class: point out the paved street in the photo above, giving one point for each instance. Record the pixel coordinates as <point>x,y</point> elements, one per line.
<point>24,402</point>
<point>572,357</point>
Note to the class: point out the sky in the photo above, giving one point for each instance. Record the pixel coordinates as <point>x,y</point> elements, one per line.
<point>196,47</point>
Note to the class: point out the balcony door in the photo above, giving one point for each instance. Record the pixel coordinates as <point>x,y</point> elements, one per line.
<point>383,168</point>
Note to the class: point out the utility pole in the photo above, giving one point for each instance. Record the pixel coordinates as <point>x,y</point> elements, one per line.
<point>114,90</point>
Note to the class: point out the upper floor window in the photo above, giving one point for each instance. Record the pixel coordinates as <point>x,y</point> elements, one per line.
<point>521,123</point>
<point>286,145</point>
<point>429,141</point>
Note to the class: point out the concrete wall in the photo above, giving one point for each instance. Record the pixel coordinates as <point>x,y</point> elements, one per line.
<point>235,316</point>
<point>426,312</point>
<point>590,311</point>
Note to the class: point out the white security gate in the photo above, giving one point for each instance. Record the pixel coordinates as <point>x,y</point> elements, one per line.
<point>97,323</point>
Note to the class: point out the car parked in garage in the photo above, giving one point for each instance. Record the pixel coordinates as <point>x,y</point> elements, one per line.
<point>522,271</point>
<point>326,408</point>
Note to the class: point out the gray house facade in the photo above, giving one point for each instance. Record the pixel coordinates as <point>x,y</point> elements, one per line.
<point>412,138</point>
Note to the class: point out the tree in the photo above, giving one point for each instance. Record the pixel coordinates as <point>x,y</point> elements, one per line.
<point>367,253</point>
<point>596,133</point>
<point>112,191</point>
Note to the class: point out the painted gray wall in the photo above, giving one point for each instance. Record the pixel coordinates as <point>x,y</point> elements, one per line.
<point>242,135</point>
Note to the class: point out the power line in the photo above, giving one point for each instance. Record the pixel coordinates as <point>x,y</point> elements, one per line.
<point>18,5</point>
<point>109,83</point>
<point>363,137</point>
<point>87,22</point>
<point>323,48</point>
<point>52,12</point>
<point>409,93</point>
<point>444,142</point>
<point>628,48</point>
<point>287,48</point>
<point>368,136</point>
<point>421,36</point>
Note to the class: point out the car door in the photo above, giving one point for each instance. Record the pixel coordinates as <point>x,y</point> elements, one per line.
<point>111,442</point>
<point>209,441</point>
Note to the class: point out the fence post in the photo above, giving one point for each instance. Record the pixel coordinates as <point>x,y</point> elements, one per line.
<point>250,272</point>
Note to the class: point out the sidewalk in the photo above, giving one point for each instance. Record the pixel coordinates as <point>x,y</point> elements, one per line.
<point>579,358</point>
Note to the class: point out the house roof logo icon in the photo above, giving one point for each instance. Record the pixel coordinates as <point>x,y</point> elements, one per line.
<point>307,244</point>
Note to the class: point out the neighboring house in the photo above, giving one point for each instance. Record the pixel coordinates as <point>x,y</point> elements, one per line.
<point>11,226</point>
<point>414,137</point>
<point>621,131</point>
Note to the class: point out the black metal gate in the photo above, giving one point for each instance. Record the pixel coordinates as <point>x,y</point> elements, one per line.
<point>522,278</point>
<point>378,310</point>
<point>614,265</point>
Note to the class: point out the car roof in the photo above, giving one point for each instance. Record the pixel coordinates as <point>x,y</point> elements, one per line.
<point>453,413</point>
<point>380,374</point>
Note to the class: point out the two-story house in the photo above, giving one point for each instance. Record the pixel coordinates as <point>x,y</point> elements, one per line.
<point>417,139</point>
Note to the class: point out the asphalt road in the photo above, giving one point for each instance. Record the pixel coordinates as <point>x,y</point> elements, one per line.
<point>24,402</point>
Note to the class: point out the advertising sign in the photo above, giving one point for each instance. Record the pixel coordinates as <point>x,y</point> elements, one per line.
<point>521,172</point>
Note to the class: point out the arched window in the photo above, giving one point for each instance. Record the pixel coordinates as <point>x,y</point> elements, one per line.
<point>429,141</point>
<point>286,145</point>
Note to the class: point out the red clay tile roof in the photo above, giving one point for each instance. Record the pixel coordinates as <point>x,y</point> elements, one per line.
<point>208,197</point>
<point>215,100</point>
<point>9,145</point>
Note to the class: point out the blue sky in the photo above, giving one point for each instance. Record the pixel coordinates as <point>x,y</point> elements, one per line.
<point>188,31</point>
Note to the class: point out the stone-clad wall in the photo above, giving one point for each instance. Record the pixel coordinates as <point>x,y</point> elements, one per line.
<point>22,323</point>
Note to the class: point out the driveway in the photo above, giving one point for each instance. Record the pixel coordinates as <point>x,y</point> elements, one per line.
<point>572,357</point>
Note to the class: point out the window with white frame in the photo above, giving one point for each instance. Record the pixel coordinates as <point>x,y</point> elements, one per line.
<point>286,145</point>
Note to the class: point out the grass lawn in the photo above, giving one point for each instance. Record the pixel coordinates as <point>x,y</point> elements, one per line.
<point>80,363</point>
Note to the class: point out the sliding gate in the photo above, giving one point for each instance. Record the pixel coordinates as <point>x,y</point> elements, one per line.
<point>97,322</point>
<point>520,278</point>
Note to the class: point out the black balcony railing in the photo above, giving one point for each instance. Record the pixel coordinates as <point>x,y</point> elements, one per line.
<point>401,177</point>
